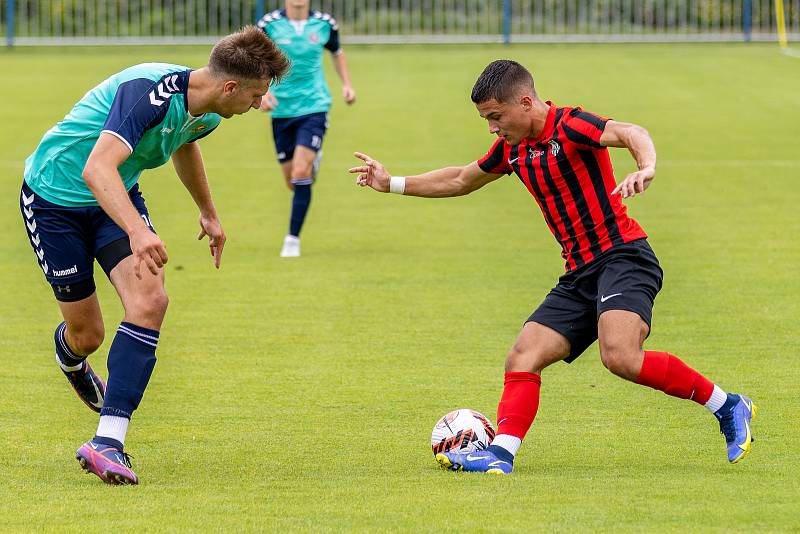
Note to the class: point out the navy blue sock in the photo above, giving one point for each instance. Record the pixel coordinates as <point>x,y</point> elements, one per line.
<point>300,203</point>
<point>501,453</point>
<point>730,402</point>
<point>64,353</point>
<point>102,440</point>
<point>130,363</point>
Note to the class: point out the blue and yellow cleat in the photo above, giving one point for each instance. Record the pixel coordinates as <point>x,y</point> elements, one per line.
<point>479,461</point>
<point>734,424</point>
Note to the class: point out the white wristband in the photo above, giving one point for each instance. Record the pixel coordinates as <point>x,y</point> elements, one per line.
<point>397,184</point>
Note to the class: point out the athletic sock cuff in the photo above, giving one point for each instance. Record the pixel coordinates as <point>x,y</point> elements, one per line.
<point>116,412</point>
<point>60,329</point>
<point>302,181</point>
<point>67,359</point>
<point>501,453</point>
<point>518,376</point>
<point>654,369</point>
<point>143,335</point>
<point>111,442</point>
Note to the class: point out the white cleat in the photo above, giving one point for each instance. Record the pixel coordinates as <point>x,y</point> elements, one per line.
<point>291,247</point>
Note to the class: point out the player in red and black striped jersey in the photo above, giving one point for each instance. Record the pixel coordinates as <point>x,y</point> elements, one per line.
<point>612,276</point>
<point>568,171</point>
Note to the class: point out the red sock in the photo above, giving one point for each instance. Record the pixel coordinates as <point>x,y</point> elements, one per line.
<point>519,404</point>
<point>667,373</point>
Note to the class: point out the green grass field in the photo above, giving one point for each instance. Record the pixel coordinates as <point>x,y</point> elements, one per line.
<point>299,395</point>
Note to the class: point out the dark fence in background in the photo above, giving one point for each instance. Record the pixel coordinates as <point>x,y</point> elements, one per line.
<point>402,21</point>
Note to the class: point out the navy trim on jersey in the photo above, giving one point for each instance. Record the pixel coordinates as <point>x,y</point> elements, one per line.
<point>332,45</point>
<point>142,104</point>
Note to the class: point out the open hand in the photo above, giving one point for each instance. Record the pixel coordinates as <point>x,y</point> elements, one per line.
<point>211,227</point>
<point>147,248</point>
<point>371,174</point>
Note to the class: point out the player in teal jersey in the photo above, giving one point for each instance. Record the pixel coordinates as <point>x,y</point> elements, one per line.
<point>80,201</point>
<point>300,102</point>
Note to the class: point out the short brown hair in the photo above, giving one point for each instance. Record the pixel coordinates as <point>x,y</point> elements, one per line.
<point>248,55</point>
<point>502,80</point>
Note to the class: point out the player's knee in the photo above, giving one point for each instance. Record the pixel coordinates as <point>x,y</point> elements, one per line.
<point>158,303</point>
<point>302,170</point>
<point>522,359</point>
<point>149,308</point>
<point>85,339</point>
<point>620,360</point>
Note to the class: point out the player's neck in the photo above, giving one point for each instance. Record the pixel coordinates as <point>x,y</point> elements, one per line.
<point>199,95</point>
<point>538,114</point>
<point>297,13</point>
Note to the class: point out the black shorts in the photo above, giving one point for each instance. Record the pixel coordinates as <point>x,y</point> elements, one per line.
<point>305,130</point>
<point>625,277</point>
<point>66,241</point>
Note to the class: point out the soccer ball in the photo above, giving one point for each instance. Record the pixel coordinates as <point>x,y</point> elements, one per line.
<point>462,431</point>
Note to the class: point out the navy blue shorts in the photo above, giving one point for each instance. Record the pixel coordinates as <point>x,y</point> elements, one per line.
<point>305,130</point>
<point>66,240</point>
<point>625,277</point>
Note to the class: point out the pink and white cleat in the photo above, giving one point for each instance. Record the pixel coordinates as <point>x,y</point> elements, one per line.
<point>107,462</point>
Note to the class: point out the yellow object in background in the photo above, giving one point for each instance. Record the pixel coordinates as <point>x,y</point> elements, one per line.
<point>781,20</point>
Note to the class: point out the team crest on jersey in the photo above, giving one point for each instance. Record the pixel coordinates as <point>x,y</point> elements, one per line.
<point>313,38</point>
<point>555,148</point>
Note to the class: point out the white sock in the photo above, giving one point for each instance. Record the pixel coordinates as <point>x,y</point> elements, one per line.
<point>718,398</point>
<point>508,442</point>
<point>113,427</point>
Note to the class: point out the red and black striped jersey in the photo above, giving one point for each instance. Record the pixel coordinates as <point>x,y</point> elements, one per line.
<point>569,173</point>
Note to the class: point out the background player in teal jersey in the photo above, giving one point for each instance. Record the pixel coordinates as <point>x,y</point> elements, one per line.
<point>300,102</point>
<point>80,201</point>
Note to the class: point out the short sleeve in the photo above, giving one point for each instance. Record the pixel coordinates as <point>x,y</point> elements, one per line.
<point>584,128</point>
<point>333,45</point>
<point>495,161</point>
<point>265,22</point>
<point>138,105</point>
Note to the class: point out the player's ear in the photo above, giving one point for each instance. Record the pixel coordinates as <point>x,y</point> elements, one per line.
<point>526,102</point>
<point>229,86</point>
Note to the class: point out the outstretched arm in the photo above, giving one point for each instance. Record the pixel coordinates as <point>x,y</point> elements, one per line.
<point>188,162</point>
<point>103,180</point>
<point>445,182</point>
<point>638,141</point>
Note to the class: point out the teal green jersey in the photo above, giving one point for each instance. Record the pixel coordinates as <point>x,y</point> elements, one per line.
<point>144,106</point>
<point>304,90</point>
